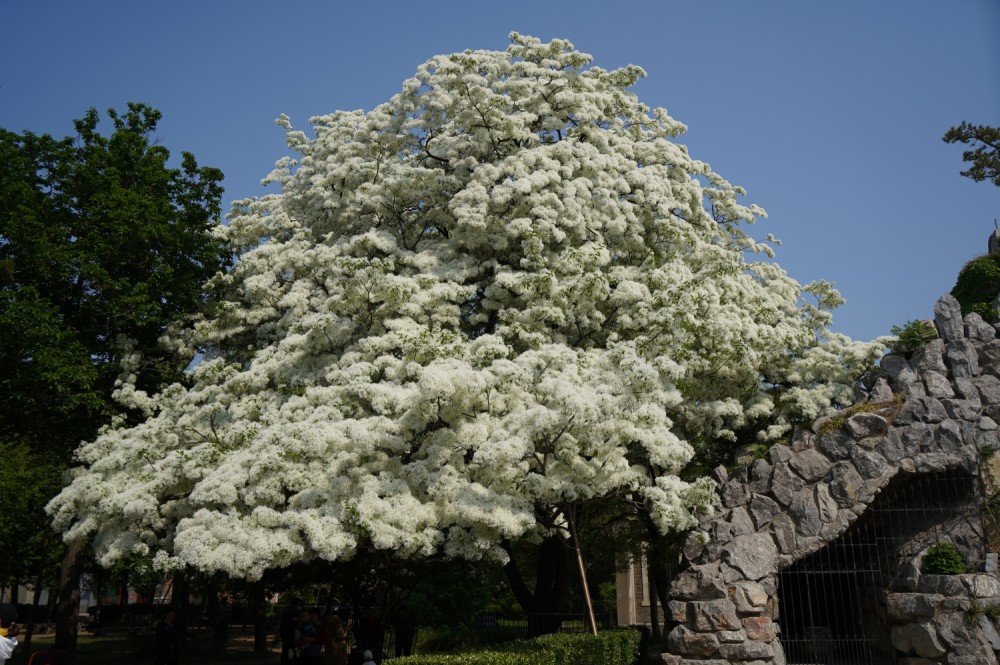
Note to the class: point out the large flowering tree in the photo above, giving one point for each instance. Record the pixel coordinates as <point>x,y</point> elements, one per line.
<point>505,292</point>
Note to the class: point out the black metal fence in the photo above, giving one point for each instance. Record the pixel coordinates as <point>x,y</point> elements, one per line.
<point>499,627</point>
<point>830,603</point>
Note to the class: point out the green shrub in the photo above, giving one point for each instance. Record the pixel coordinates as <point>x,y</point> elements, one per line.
<point>978,285</point>
<point>913,335</point>
<point>943,559</point>
<point>611,647</point>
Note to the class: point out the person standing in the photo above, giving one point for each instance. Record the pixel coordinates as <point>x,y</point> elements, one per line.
<point>336,647</point>
<point>286,631</point>
<point>8,631</point>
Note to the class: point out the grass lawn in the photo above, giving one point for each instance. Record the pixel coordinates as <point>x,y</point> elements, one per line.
<point>138,650</point>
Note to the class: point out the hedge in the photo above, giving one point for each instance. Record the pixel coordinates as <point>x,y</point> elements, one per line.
<point>619,646</point>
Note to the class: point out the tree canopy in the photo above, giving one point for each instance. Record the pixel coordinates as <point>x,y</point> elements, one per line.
<point>505,291</point>
<point>102,246</point>
<point>984,156</point>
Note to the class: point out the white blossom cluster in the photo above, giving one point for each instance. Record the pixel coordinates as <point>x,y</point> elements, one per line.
<point>506,288</point>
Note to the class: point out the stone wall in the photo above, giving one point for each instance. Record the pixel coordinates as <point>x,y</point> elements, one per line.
<point>926,412</point>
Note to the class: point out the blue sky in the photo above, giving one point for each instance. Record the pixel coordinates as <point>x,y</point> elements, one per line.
<point>830,114</point>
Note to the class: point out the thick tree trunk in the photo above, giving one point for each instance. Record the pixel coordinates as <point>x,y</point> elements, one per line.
<point>259,607</point>
<point>69,602</point>
<point>179,601</point>
<point>550,598</point>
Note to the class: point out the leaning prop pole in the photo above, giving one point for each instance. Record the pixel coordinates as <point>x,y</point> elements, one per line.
<point>591,620</point>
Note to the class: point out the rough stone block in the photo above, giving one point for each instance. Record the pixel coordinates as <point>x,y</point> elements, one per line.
<point>847,485</point>
<point>760,477</point>
<point>978,330</point>
<point>989,389</point>
<point>982,585</point>
<point>921,409</point>
<point>917,638</point>
<point>917,438</point>
<point>731,636</point>
<point>963,359</point>
<point>990,564</point>
<point>684,641</point>
<point>881,392</point>
<point>783,529</point>
<point>779,453</point>
<point>703,582</point>
<point>836,444</point>
<point>749,597</point>
<point>763,509</point>
<point>864,425</point>
<point>870,465</point>
<point>760,629</point>
<point>938,385</point>
<point>804,511</point>
<point>714,615</point>
<point>785,483</point>
<point>746,651</point>
<point>908,607</point>
<point>734,494</point>
<point>989,353</point>
<point>929,358</point>
<point>891,446</point>
<point>899,373</point>
<point>810,464</point>
<point>755,555</point>
<point>948,318</point>
<point>962,409</point>
<point>679,611</point>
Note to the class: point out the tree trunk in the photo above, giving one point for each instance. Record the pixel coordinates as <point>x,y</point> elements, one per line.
<point>653,616</point>
<point>179,601</point>
<point>69,602</point>
<point>259,607</point>
<point>550,598</point>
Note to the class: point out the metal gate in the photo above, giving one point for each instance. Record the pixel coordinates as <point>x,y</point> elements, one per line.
<point>829,602</point>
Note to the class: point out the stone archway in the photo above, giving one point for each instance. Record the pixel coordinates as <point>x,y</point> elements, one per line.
<point>832,605</point>
<point>934,411</point>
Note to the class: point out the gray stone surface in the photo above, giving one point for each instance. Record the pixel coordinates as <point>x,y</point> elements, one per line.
<point>963,359</point>
<point>948,318</point>
<point>755,556</point>
<point>774,512</point>
<point>810,464</point>
<point>899,373</point>
<point>917,638</point>
<point>978,330</point>
<point>864,425</point>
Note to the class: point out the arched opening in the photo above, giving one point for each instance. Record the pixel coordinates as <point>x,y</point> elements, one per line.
<point>831,604</point>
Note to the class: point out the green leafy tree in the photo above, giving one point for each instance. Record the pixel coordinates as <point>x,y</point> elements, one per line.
<point>977,286</point>
<point>984,155</point>
<point>102,246</point>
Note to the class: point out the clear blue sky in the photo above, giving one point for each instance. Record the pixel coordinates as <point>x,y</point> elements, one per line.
<point>829,113</point>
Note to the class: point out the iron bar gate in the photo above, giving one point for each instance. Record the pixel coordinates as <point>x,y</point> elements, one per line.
<point>831,603</point>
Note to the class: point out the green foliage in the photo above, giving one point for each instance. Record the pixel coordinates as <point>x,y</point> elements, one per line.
<point>943,559</point>
<point>611,647</point>
<point>913,335</point>
<point>978,285</point>
<point>985,155</point>
<point>29,478</point>
<point>102,247</point>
